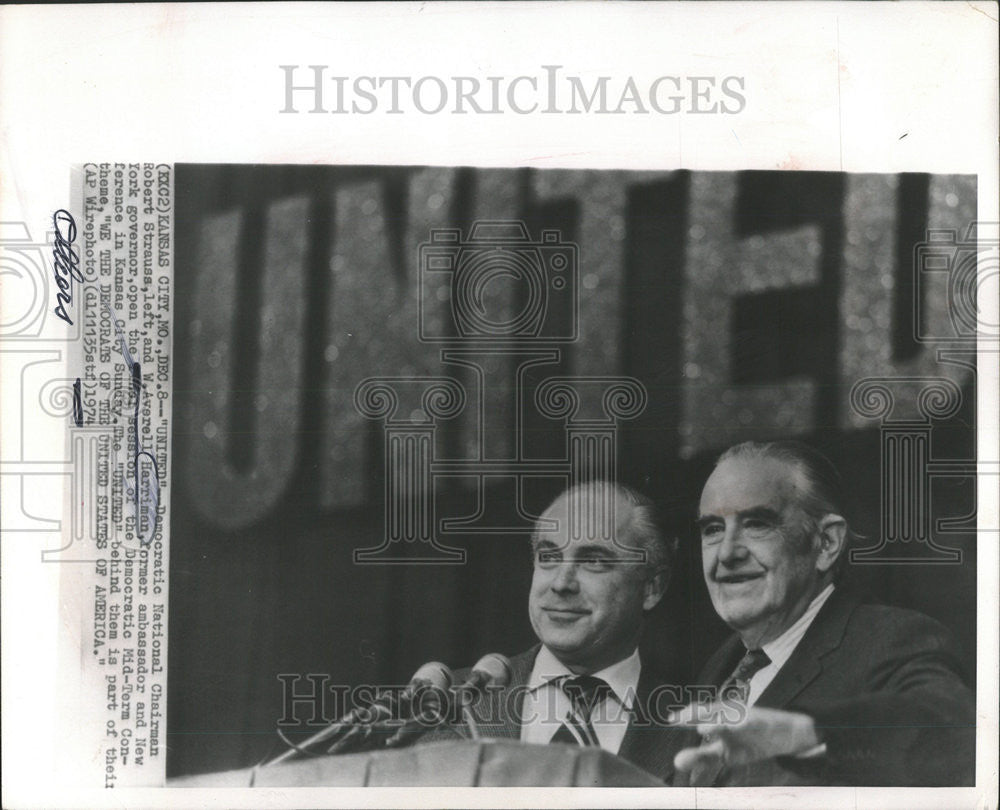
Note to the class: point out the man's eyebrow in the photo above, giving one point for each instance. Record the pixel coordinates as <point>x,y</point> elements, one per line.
<point>760,513</point>
<point>596,550</point>
<point>754,512</point>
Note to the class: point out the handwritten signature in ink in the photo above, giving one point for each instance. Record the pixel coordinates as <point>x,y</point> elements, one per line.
<point>66,262</point>
<point>145,489</point>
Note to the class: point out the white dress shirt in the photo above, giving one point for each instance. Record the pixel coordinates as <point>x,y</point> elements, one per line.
<point>781,649</point>
<point>546,706</point>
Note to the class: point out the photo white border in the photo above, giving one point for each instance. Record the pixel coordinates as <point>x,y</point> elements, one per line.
<point>874,87</point>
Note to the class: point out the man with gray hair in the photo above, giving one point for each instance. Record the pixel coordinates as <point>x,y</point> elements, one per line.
<point>831,691</point>
<point>600,564</point>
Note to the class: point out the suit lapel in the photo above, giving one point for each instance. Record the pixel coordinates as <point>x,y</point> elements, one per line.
<point>721,665</point>
<point>805,663</point>
<point>649,743</point>
<point>521,666</point>
<point>715,672</point>
<point>500,705</point>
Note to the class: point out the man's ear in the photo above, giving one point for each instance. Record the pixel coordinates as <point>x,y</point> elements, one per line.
<point>655,587</point>
<point>832,537</point>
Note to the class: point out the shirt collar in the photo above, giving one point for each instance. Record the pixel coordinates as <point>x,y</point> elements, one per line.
<point>781,649</point>
<point>622,677</point>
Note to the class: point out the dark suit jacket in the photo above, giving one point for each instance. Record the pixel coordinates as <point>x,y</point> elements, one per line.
<point>648,744</point>
<point>884,689</point>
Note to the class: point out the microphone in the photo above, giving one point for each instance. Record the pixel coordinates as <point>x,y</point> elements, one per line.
<point>431,675</point>
<point>490,670</point>
<point>428,709</point>
<point>434,677</point>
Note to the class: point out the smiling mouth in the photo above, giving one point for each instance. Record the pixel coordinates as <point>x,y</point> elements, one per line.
<point>565,612</point>
<point>737,579</point>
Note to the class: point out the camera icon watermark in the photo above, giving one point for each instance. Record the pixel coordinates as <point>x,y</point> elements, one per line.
<point>22,264</point>
<point>541,276</point>
<point>26,267</point>
<point>968,264</point>
<point>498,299</point>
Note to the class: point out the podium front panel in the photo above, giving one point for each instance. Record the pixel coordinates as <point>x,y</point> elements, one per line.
<point>481,763</point>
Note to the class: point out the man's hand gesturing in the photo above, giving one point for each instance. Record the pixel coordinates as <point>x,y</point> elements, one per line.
<point>761,734</point>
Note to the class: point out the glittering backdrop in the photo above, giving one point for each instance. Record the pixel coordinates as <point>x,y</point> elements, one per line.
<point>748,304</point>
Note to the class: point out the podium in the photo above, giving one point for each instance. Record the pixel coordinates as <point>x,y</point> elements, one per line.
<point>481,763</point>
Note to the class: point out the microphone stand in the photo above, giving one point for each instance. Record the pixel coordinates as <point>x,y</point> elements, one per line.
<point>422,719</point>
<point>470,722</point>
<point>344,729</point>
<point>364,722</point>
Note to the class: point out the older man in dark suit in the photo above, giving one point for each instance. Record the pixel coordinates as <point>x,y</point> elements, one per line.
<point>600,563</point>
<point>826,690</point>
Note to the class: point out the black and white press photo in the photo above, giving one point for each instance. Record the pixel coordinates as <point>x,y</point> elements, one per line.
<point>405,404</point>
<point>670,433</point>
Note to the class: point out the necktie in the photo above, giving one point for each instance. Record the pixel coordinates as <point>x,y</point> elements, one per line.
<point>584,692</point>
<point>736,686</point>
